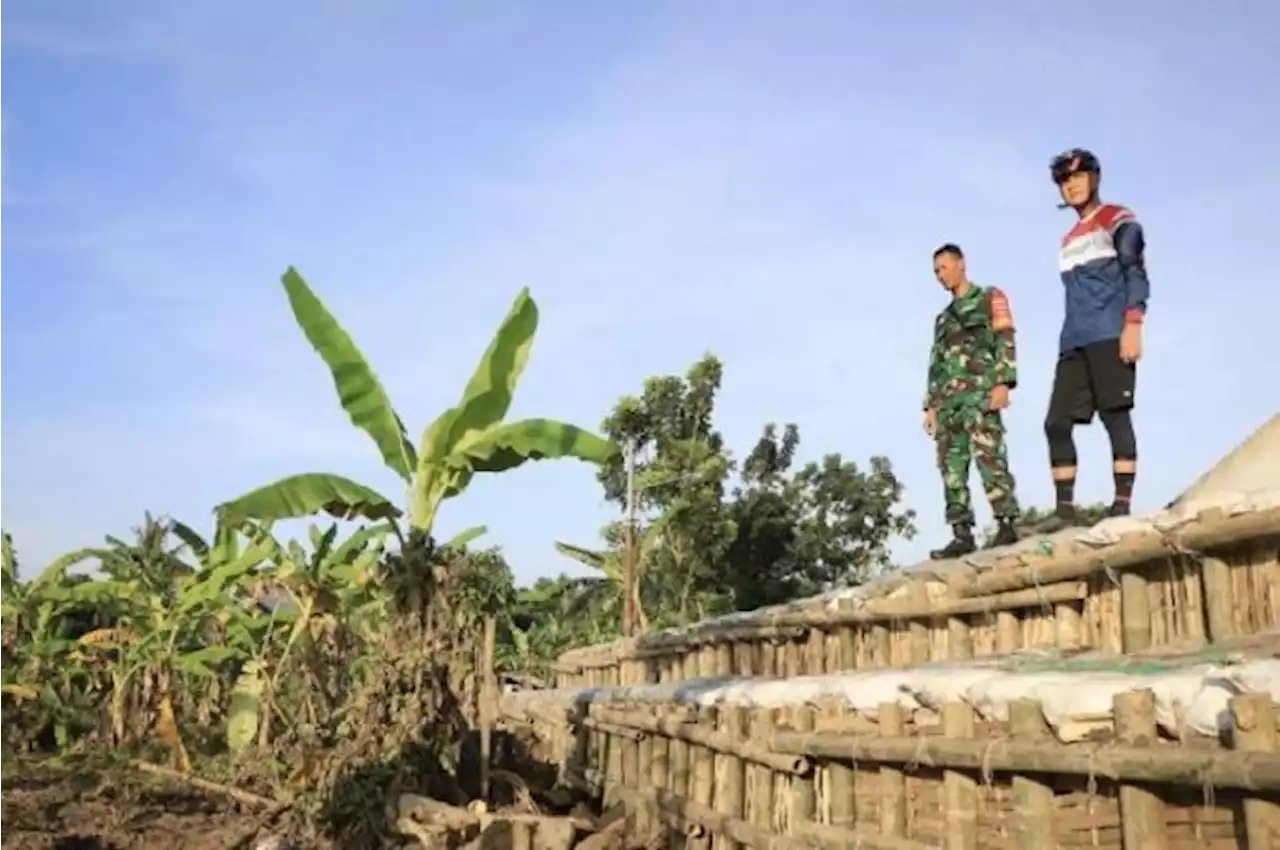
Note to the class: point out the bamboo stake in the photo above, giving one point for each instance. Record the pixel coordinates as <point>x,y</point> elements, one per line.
<point>488,695</point>
<point>1248,771</point>
<point>881,645</point>
<point>893,783</point>
<point>645,816</point>
<point>841,783</point>
<point>759,778</point>
<point>1032,797</point>
<point>731,794</point>
<point>1135,611</point>
<point>702,791</point>
<point>1219,602</point>
<point>1007,633</point>
<point>803,792</point>
<point>1254,730</point>
<point>679,785</point>
<point>959,638</point>
<point>959,789</point>
<point>1142,823</point>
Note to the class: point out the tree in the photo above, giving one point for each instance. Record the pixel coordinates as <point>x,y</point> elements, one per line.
<point>681,471</point>
<point>462,441</point>
<point>781,533</point>
<point>826,525</point>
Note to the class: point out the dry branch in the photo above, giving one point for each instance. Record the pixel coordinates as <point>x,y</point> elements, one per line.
<point>238,794</point>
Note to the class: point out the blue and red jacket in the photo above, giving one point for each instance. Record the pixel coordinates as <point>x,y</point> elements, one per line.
<point>1104,275</point>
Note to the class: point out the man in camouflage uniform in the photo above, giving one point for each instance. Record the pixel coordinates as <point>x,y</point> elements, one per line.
<point>972,368</point>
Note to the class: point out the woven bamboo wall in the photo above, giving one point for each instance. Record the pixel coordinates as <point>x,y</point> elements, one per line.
<point>813,776</point>
<point>1213,579</point>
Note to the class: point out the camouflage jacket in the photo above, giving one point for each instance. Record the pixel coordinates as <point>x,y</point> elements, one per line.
<point>973,349</point>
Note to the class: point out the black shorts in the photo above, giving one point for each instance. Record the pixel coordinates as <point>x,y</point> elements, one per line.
<point>1091,380</point>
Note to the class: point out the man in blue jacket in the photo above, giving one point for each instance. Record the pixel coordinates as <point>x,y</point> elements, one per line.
<point>1105,278</point>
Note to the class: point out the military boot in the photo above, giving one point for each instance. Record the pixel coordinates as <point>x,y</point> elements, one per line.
<point>1006,535</point>
<point>961,544</point>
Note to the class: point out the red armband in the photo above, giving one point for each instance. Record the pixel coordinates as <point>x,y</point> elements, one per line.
<point>1134,315</point>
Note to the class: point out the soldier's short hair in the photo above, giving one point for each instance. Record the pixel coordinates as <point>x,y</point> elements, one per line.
<point>950,248</point>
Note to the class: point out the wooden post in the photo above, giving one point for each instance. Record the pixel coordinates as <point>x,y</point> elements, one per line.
<point>1066,620</point>
<point>803,792</point>
<point>794,654</point>
<point>1219,604</point>
<point>959,638</point>
<point>815,653</point>
<point>840,787</point>
<point>488,703</point>
<point>731,792</point>
<point>1142,823</point>
<point>960,790</point>
<point>703,790</point>
<point>918,627</point>
<point>847,638</point>
<point>1032,798</point>
<point>521,835</point>
<point>660,763</point>
<point>679,757</point>
<point>760,778</point>
<point>645,814</point>
<point>893,784</point>
<point>881,645</point>
<point>1135,611</point>
<point>1254,729</point>
<point>724,658</point>
<point>1008,639</point>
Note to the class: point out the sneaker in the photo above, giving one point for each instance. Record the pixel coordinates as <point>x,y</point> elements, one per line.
<point>962,543</point>
<point>1006,535</point>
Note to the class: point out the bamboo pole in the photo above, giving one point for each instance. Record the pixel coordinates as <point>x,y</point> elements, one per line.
<point>1254,730</point>
<point>1142,823</point>
<point>703,789</point>
<point>679,784</point>
<point>881,645</point>
<point>803,792</point>
<point>731,792</point>
<point>614,730</point>
<point>960,791</point>
<point>645,815</point>
<point>1032,797</point>
<point>893,782</point>
<point>959,638</point>
<point>759,779</point>
<point>1219,602</point>
<point>1008,633</point>
<point>1248,771</point>
<point>488,693</point>
<point>1135,611</point>
<point>752,750</point>
<point>840,781</point>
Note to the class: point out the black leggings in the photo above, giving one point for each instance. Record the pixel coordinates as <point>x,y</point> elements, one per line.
<point>1062,447</point>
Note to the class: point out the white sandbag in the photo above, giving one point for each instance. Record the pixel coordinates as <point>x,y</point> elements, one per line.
<point>1193,700</point>
<point>1078,709</point>
<point>990,697</point>
<point>865,692</point>
<point>932,687</point>
<point>1254,677</point>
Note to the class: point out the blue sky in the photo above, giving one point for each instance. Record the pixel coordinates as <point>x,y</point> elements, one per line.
<point>760,180</point>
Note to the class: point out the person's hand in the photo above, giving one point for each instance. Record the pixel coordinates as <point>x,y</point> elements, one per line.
<point>999,397</point>
<point>1131,343</point>
<point>930,421</point>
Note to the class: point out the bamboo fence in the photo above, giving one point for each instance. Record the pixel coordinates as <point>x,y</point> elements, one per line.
<point>1182,579</point>
<point>731,776</point>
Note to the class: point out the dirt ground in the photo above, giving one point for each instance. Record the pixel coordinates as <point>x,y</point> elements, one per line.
<point>83,808</point>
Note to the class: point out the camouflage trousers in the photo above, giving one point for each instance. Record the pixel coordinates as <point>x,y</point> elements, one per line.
<point>972,432</point>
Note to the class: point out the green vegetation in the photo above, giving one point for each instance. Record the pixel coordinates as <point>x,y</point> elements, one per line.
<point>325,671</point>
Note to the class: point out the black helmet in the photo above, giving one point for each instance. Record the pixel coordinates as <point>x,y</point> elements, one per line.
<point>1069,162</point>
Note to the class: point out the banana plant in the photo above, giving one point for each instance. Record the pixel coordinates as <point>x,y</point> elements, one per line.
<point>465,439</point>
